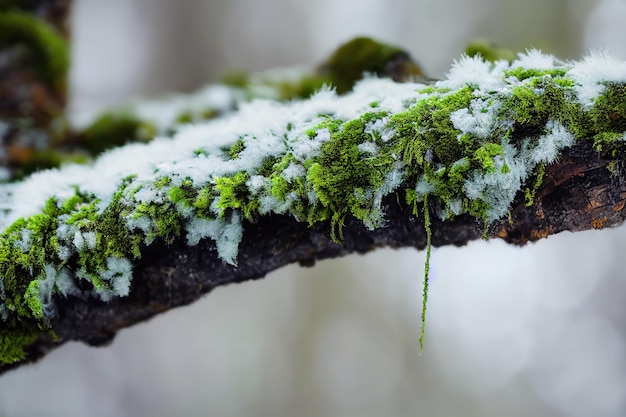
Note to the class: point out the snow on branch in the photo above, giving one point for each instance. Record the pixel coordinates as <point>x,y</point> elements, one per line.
<point>479,152</point>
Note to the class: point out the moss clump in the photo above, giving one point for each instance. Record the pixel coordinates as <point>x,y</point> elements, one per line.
<point>364,55</point>
<point>233,195</point>
<point>531,192</point>
<point>348,64</point>
<point>427,127</point>
<point>608,119</point>
<point>23,270</point>
<point>235,149</point>
<point>49,158</point>
<point>488,51</point>
<point>115,129</point>
<point>46,49</point>
<point>343,177</point>
<point>532,105</point>
<point>522,74</point>
<point>14,339</point>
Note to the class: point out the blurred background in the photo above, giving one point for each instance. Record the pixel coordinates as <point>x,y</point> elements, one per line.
<point>534,331</point>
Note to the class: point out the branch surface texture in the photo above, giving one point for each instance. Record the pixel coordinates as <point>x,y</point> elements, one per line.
<point>517,150</point>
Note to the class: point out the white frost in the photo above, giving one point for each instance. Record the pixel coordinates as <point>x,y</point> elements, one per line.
<point>591,73</point>
<point>551,144</point>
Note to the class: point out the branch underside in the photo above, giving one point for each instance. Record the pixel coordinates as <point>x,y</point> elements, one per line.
<point>579,193</point>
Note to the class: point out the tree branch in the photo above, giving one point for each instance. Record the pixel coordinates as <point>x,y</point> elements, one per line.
<point>517,151</point>
<point>581,195</point>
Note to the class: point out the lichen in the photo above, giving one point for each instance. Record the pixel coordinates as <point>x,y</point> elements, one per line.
<point>469,144</point>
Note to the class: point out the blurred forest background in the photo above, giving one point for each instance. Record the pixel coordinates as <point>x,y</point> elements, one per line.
<point>534,331</point>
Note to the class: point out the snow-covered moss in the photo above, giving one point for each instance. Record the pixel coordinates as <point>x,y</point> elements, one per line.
<point>142,120</point>
<point>468,144</point>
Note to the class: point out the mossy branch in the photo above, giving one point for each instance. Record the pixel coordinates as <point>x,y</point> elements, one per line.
<point>516,151</point>
<point>580,193</point>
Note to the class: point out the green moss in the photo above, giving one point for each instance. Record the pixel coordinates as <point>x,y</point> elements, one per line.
<point>240,79</point>
<point>21,271</point>
<point>203,201</point>
<point>31,297</point>
<point>14,339</point>
<point>532,107</point>
<point>113,238</point>
<point>485,154</point>
<point>364,55</point>
<point>488,51</point>
<point>530,193</point>
<point>427,126</point>
<point>233,195</point>
<point>348,64</point>
<point>184,194</point>
<point>267,166</point>
<point>609,113</point>
<point>46,48</point>
<point>115,129</point>
<point>429,234</point>
<point>302,87</point>
<point>418,154</point>
<point>341,175</point>
<point>190,116</point>
<point>235,149</point>
<point>522,74</point>
<point>163,182</point>
<point>282,189</point>
<point>49,158</point>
